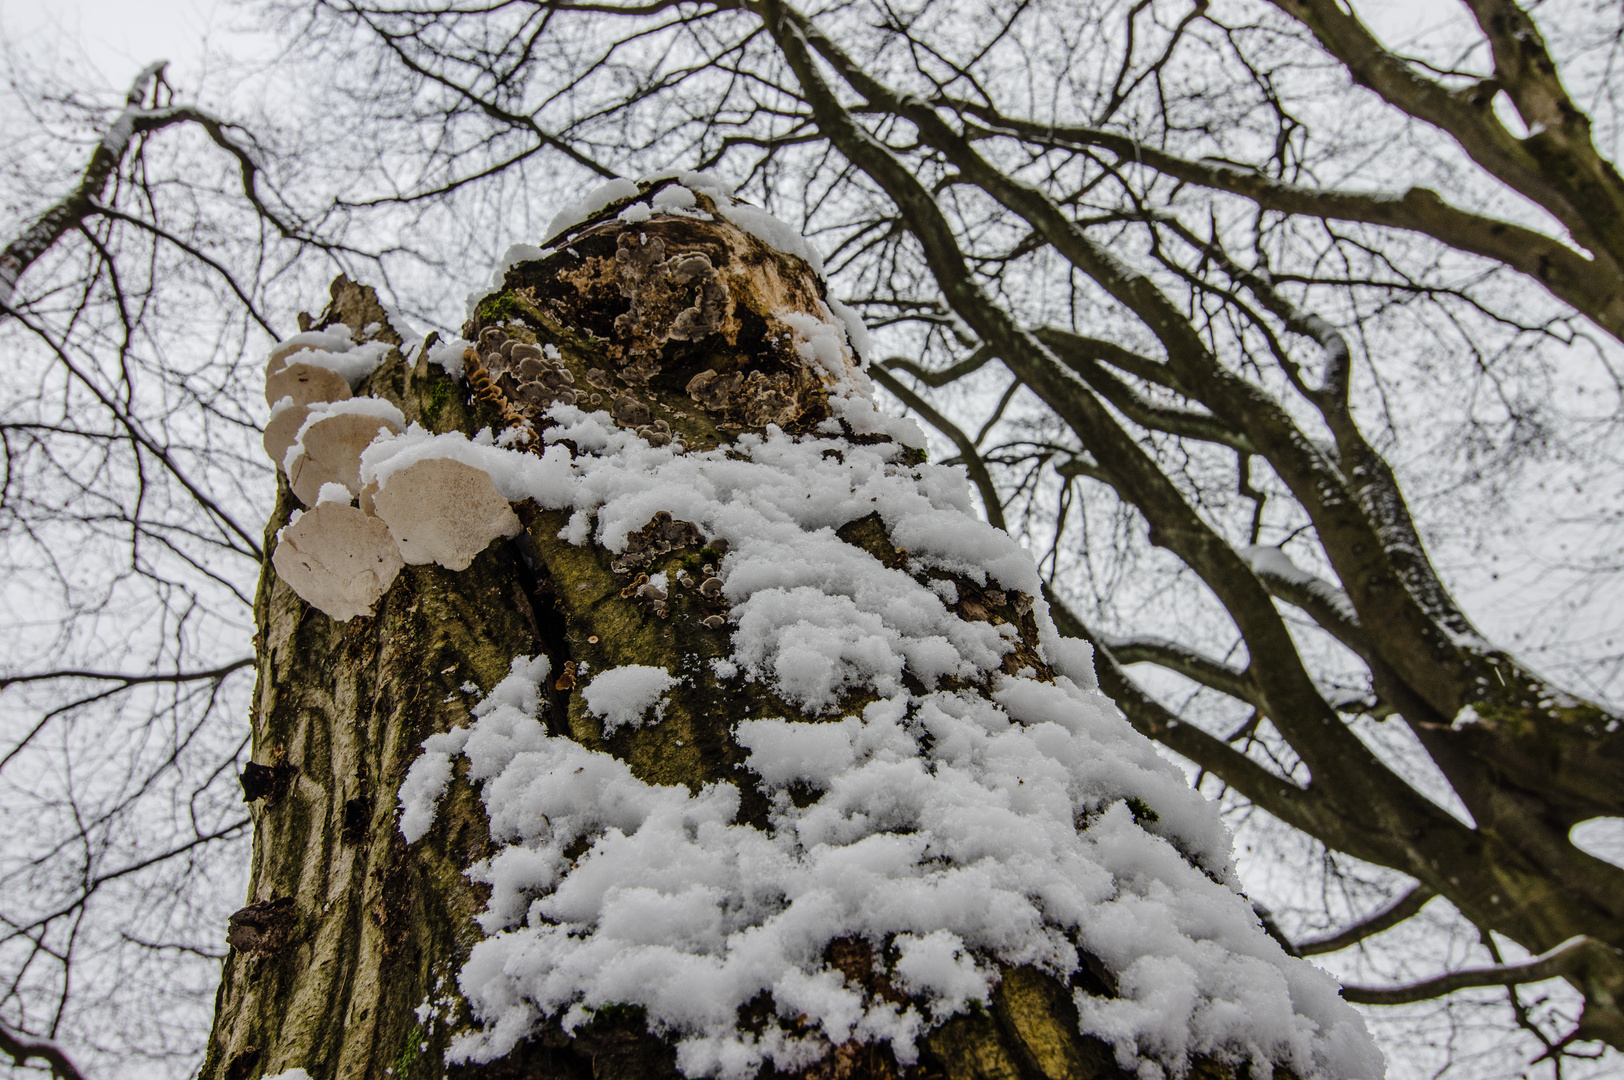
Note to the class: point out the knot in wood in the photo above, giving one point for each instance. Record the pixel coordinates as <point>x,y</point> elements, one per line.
<point>263,928</point>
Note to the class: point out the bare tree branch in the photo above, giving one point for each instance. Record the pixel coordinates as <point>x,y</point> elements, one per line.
<point>1385,919</point>
<point>24,1048</point>
<point>1571,958</point>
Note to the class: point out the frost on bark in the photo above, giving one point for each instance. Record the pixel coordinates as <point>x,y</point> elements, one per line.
<point>607,631</point>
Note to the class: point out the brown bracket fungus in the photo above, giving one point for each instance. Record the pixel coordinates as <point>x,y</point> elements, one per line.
<point>680,298</point>
<point>330,446</point>
<point>443,511</point>
<point>338,559</point>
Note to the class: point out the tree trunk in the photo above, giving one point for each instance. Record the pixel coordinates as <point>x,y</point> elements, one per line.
<point>352,957</point>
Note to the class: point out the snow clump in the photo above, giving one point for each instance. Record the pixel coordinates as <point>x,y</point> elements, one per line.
<point>332,349</point>
<point>622,696</point>
<point>961,831</point>
<point>960,818</point>
<point>947,825</point>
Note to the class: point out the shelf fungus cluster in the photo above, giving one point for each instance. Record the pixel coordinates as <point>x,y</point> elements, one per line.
<point>741,329</point>
<point>342,554</point>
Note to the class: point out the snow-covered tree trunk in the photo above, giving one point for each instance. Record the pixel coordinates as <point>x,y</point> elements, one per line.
<point>639,703</point>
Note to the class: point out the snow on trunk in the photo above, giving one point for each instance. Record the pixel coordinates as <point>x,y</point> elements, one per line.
<point>795,764</point>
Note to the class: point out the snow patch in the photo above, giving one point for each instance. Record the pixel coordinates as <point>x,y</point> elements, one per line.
<point>958,832</point>
<point>450,355</point>
<point>595,200</point>
<point>622,696</point>
<point>426,782</point>
<point>516,254</point>
<point>1073,658</point>
<point>776,234</point>
<point>1267,561</point>
<point>675,197</point>
<point>856,330</point>
<point>331,349</point>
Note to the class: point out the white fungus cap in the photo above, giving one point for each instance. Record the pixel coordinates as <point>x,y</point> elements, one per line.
<point>331,349</point>
<point>338,559</point>
<point>282,429</point>
<point>329,444</point>
<point>441,510</point>
<point>305,383</point>
<point>334,339</point>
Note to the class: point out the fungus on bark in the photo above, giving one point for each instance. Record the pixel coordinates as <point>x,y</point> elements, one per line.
<point>282,429</point>
<point>306,383</point>
<point>441,510</point>
<point>329,444</point>
<point>338,559</point>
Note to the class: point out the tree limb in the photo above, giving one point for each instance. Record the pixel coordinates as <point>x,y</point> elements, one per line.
<point>1568,959</point>
<point>1302,808</point>
<point>138,434</point>
<point>1582,283</point>
<point>1079,353</point>
<point>1557,165</point>
<point>1214,674</point>
<point>130,680</point>
<point>974,362</point>
<point>67,212</point>
<point>23,1048</point>
<point>1385,919</point>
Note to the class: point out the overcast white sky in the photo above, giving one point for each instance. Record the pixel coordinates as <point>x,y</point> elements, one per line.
<point>119,37</point>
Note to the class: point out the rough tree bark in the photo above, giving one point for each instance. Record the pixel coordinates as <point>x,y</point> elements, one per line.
<point>344,962</point>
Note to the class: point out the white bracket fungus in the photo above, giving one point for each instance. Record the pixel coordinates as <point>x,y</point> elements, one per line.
<point>338,559</point>
<point>306,383</point>
<point>336,339</point>
<point>441,510</point>
<point>329,444</point>
<point>282,429</point>
<point>331,349</point>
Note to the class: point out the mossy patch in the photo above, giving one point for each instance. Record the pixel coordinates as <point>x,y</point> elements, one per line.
<point>442,391</point>
<point>499,307</point>
<point>410,1051</point>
